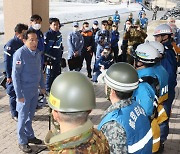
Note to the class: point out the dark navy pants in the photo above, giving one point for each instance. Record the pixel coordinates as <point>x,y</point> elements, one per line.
<point>51,74</point>
<point>12,99</point>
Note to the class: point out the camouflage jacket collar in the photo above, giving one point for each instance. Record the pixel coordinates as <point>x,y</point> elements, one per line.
<point>118,105</point>
<point>70,139</point>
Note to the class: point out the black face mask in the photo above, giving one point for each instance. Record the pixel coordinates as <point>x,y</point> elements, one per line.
<point>136,64</point>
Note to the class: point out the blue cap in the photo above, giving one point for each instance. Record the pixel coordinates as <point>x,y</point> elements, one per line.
<point>107,46</point>
<point>95,22</point>
<point>75,24</point>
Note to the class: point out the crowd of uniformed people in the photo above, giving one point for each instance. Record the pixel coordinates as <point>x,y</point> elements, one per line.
<point>140,83</point>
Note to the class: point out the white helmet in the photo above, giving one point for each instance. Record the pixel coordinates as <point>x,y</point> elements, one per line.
<point>147,53</point>
<point>157,45</point>
<point>162,29</point>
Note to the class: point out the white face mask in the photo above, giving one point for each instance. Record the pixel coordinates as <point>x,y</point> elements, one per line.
<point>76,29</point>
<point>86,28</point>
<point>36,26</point>
<point>95,26</point>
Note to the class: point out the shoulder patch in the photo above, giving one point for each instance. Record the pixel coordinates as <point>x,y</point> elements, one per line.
<point>8,47</point>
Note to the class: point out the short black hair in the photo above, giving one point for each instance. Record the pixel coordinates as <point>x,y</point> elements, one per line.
<point>51,20</point>
<point>104,22</point>
<point>20,27</point>
<point>85,23</point>
<point>35,17</point>
<point>123,95</point>
<point>29,31</point>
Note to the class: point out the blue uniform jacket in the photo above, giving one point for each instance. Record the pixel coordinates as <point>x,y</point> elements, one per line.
<point>136,124</point>
<point>145,94</point>
<point>75,42</point>
<point>26,72</point>
<point>144,22</point>
<point>163,77</point>
<point>53,45</point>
<point>9,50</point>
<point>114,38</point>
<point>116,18</point>
<point>170,64</point>
<point>105,61</point>
<point>103,36</point>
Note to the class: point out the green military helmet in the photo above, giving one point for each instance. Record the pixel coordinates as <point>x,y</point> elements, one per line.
<point>131,14</point>
<point>137,22</point>
<point>72,92</point>
<point>121,77</point>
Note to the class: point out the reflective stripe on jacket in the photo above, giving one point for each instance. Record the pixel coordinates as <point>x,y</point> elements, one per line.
<point>136,124</point>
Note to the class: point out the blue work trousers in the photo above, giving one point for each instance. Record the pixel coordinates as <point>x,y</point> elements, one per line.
<point>95,76</point>
<point>12,99</point>
<point>26,113</point>
<point>99,50</point>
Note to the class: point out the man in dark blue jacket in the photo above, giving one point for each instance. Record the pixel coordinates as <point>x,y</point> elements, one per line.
<point>103,63</point>
<point>163,34</point>
<point>114,42</point>
<point>54,50</point>
<point>9,49</point>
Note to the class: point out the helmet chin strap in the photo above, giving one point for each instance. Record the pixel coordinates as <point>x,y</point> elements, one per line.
<point>163,40</point>
<point>136,64</point>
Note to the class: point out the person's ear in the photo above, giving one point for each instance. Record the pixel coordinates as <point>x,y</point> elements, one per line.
<point>112,92</point>
<point>24,41</point>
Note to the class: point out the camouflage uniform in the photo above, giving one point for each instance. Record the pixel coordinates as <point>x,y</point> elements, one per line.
<point>82,140</point>
<point>135,36</point>
<point>114,132</point>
